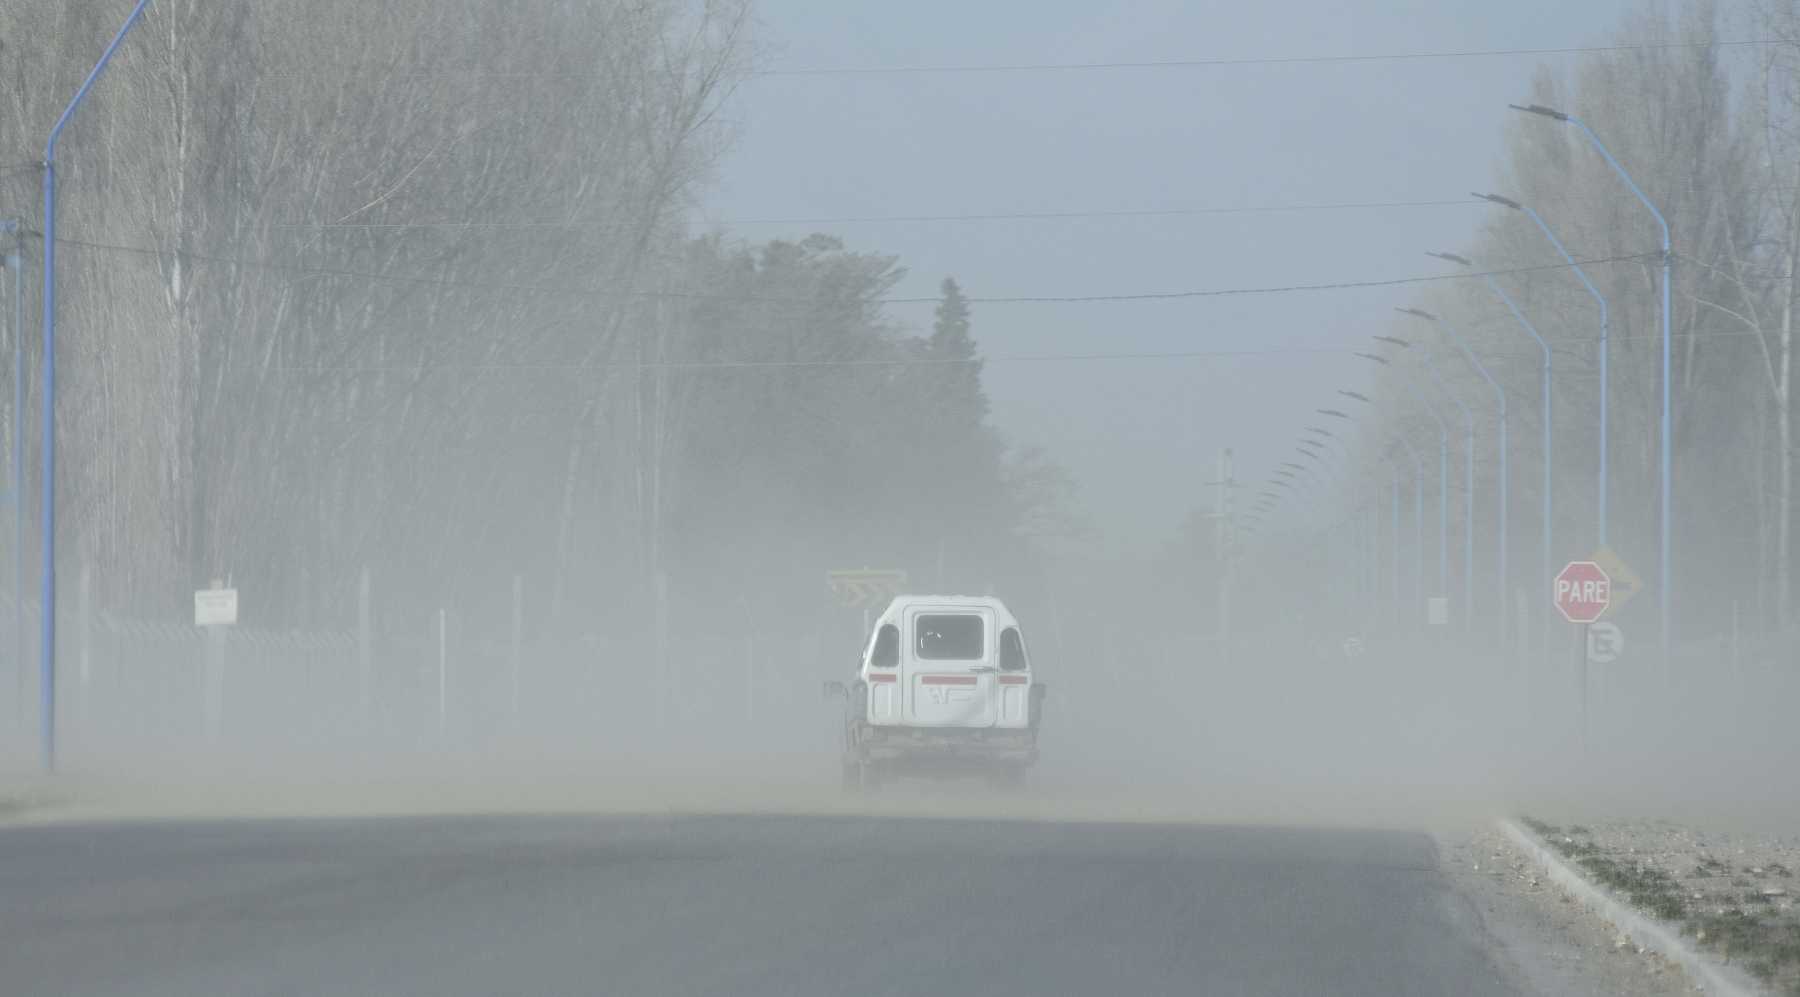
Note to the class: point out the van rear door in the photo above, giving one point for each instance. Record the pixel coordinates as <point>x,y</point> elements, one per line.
<point>949,667</point>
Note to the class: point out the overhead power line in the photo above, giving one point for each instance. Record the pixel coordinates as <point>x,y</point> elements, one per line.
<point>880,362</point>
<point>793,364</point>
<point>979,216</point>
<point>332,272</point>
<point>1249,209</point>
<point>1061,67</point>
<point>1292,60</point>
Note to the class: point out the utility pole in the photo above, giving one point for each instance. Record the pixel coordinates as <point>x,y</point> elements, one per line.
<point>47,648</point>
<point>15,265</point>
<point>1224,540</point>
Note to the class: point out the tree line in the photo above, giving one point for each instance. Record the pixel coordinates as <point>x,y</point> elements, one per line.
<point>413,288</point>
<point>1709,127</point>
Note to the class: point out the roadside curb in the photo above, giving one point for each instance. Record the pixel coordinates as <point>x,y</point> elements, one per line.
<point>1712,977</point>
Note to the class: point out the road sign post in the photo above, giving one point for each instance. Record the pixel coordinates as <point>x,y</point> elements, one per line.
<point>1582,592</point>
<point>1582,651</point>
<point>1437,611</point>
<point>215,609</point>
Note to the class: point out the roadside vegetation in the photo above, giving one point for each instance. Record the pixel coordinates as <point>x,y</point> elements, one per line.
<point>1743,915</point>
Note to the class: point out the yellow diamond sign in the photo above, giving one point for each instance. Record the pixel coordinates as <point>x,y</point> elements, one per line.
<point>1625,582</point>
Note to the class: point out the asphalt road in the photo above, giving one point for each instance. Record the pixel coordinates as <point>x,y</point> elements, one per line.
<point>729,906</point>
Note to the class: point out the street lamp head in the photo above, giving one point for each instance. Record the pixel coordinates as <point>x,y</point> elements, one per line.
<point>1415,313</point>
<point>1359,396</point>
<point>1541,110</point>
<point>1370,356</point>
<point>1297,467</point>
<point>1461,261</point>
<point>1321,430</point>
<point>1504,202</point>
<point>1395,340</point>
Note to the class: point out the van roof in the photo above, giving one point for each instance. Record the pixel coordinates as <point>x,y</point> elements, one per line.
<point>901,603</point>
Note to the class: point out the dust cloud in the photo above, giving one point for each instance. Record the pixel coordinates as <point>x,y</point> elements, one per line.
<point>414,325</point>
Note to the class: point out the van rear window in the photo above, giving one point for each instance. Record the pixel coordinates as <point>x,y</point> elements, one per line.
<point>948,638</point>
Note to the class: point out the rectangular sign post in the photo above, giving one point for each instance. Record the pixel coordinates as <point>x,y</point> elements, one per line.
<point>1581,592</point>
<point>1437,611</point>
<point>1584,687</point>
<point>215,609</point>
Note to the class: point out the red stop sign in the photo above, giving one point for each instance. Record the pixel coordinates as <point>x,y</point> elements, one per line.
<point>1581,591</point>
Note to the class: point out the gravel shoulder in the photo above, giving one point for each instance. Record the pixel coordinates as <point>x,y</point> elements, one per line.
<point>1545,942</point>
<point>1730,893</point>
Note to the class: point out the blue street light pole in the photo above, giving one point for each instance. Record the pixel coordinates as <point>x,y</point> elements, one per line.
<point>47,657</point>
<point>1343,547</point>
<point>1331,477</point>
<point>1468,486</point>
<point>1549,465</point>
<point>1418,525</point>
<point>1504,484</point>
<point>1318,446</point>
<point>1667,420</point>
<point>1605,352</point>
<point>1394,589</point>
<point>1443,468</point>
<point>15,263</point>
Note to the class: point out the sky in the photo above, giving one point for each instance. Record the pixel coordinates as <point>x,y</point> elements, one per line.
<point>1141,436</point>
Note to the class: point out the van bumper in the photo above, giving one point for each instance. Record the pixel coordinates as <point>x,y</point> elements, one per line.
<point>949,746</point>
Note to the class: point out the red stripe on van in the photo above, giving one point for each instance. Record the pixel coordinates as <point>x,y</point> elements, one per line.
<point>946,680</point>
<point>1013,680</point>
<point>878,677</point>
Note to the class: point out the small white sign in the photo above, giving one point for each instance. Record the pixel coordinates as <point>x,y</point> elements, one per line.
<point>215,607</point>
<point>1605,642</point>
<point>1437,611</point>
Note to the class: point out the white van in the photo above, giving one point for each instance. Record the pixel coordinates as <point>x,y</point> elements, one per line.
<point>944,686</point>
